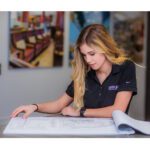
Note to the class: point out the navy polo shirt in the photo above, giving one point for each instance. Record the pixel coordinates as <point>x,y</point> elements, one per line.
<point>121,78</point>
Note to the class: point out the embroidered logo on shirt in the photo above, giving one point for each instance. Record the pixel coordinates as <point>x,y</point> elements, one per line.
<point>113,87</point>
<point>127,82</point>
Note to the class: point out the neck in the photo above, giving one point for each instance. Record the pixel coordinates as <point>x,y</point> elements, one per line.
<point>105,68</point>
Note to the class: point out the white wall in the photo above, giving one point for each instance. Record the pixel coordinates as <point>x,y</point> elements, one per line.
<point>23,86</point>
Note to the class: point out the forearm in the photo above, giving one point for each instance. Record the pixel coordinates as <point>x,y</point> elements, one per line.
<point>105,112</point>
<point>55,106</point>
<point>49,107</point>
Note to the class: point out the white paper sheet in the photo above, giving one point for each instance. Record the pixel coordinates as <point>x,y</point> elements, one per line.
<point>63,126</point>
<point>125,122</point>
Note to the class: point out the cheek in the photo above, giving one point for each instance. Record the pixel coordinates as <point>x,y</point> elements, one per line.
<point>101,59</point>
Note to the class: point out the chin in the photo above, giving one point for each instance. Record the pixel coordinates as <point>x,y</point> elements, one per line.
<point>95,68</point>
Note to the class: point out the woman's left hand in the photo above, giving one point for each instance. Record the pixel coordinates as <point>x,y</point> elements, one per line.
<point>70,111</point>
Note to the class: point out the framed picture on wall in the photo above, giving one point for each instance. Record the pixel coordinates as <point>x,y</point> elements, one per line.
<point>36,39</point>
<point>128,31</point>
<point>80,19</point>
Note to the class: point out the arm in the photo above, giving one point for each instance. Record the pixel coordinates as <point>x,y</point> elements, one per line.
<point>55,106</point>
<point>121,103</point>
<point>48,107</point>
<point>127,88</point>
<point>123,96</point>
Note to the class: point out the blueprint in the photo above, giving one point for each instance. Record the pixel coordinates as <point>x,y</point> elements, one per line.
<point>64,126</point>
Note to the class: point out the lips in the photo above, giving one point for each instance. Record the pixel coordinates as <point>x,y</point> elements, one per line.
<point>91,65</point>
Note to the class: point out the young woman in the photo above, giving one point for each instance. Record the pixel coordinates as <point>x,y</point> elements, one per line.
<point>103,79</point>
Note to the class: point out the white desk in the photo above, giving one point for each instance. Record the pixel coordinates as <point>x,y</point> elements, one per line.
<point>4,122</point>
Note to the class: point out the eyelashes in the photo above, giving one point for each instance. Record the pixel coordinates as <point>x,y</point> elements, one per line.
<point>92,54</point>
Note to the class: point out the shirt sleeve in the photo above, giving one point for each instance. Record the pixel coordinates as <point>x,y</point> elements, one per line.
<point>128,79</point>
<point>70,90</point>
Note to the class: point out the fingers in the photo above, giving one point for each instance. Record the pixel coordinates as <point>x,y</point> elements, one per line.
<point>26,109</point>
<point>65,111</point>
<point>17,111</point>
<point>26,115</point>
<point>70,111</point>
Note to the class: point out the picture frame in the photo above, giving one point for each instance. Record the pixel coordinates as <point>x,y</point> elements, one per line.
<point>36,39</point>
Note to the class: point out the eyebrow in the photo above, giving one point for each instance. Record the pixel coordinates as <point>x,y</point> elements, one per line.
<point>89,52</point>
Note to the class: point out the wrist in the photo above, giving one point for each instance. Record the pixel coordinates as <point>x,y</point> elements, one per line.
<point>82,111</point>
<point>36,107</point>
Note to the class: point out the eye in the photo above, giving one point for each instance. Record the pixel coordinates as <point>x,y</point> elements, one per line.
<point>92,54</point>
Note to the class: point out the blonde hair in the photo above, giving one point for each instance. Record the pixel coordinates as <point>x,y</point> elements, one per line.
<point>94,35</point>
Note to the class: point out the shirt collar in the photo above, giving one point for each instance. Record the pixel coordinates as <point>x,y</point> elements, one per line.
<point>115,69</point>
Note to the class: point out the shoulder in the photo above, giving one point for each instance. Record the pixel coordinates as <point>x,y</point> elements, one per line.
<point>127,65</point>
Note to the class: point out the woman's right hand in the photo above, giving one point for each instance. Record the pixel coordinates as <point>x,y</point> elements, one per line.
<point>27,109</point>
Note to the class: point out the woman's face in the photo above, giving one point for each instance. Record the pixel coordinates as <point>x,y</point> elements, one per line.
<point>93,57</point>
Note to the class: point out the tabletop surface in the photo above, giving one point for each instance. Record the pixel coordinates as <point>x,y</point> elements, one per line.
<point>4,122</point>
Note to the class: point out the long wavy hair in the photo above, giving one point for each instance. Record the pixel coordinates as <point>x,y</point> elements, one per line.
<point>94,35</point>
